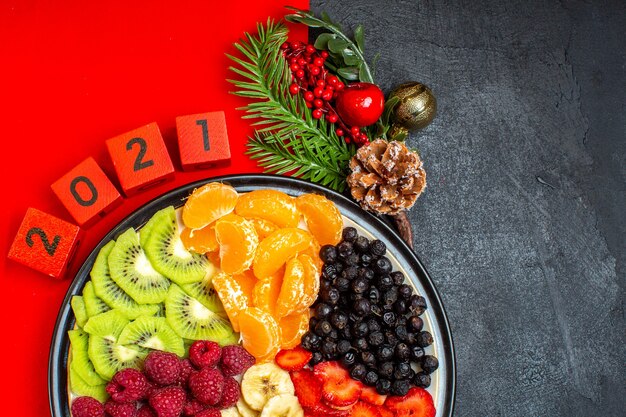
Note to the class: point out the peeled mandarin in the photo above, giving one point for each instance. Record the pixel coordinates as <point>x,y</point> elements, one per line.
<point>200,240</point>
<point>263,227</point>
<point>238,241</point>
<point>292,328</point>
<point>234,295</point>
<point>314,253</point>
<point>208,203</point>
<point>274,250</point>
<point>322,218</point>
<point>275,206</point>
<point>292,289</point>
<point>260,333</point>
<point>267,290</point>
<point>311,282</point>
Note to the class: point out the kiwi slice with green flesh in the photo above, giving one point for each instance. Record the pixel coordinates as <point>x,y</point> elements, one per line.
<point>81,388</point>
<point>192,320</point>
<point>108,357</point>
<point>108,325</point>
<point>80,312</point>
<point>168,253</point>
<point>204,292</point>
<point>93,304</point>
<point>113,294</point>
<point>80,357</point>
<point>133,272</point>
<point>152,333</point>
<point>157,218</point>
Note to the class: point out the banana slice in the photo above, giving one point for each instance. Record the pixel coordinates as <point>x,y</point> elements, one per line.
<point>245,410</point>
<point>264,381</point>
<point>283,405</point>
<point>230,412</point>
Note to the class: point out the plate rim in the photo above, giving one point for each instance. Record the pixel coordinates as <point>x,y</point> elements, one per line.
<point>59,344</point>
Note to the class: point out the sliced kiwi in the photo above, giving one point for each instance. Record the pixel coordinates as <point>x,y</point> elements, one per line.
<point>108,357</point>
<point>152,333</point>
<point>80,358</point>
<point>204,292</point>
<point>168,254</point>
<point>192,320</point>
<point>133,272</point>
<point>113,294</point>
<point>93,304</point>
<point>80,312</point>
<point>81,388</point>
<point>158,217</point>
<point>108,325</point>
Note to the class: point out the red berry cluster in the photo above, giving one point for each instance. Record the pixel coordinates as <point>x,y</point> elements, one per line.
<point>320,88</point>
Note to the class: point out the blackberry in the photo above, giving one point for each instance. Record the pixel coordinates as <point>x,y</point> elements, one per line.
<point>360,285</point>
<point>376,338</point>
<point>400,387</point>
<point>397,277</point>
<point>403,371</point>
<point>349,234</point>
<point>386,370</point>
<point>362,306</point>
<point>316,358</point>
<point>343,347</point>
<point>348,359</point>
<point>344,249</point>
<point>322,310</point>
<point>362,244</point>
<point>384,353</point>
<point>383,266</point>
<point>366,259</point>
<point>367,273</point>
<point>389,318</point>
<point>400,307</point>
<point>373,325</point>
<point>329,347</point>
<point>330,296</point>
<point>310,341</point>
<point>417,304</point>
<point>402,351</point>
<point>390,337</point>
<point>353,259</point>
<point>371,378</point>
<point>342,283</point>
<point>378,248</point>
<point>360,329</point>
<point>404,290</point>
<point>339,319</point>
<point>328,254</point>
<point>358,371</point>
<point>361,344</point>
<point>417,353</point>
<point>424,339</point>
<point>329,271</point>
<point>415,323</point>
<point>429,364</point>
<point>422,380</point>
<point>385,282</point>
<point>390,296</point>
<point>383,386</point>
<point>322,328</point>
<point>350,273</point>
<point>401,333</point>
<point>368,359</point>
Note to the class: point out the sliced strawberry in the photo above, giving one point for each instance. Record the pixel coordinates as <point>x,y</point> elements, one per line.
<point>322,410</point>
<point>293,359</point>
<point>416,403</point>
<point>338,388</point>
<point>363,409</point>
<point>308,388</point>
<point>370,395</point>
<point>385,412</point>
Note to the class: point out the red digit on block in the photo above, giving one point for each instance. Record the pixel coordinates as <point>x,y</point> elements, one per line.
<point>86,192</point>
<point>203,140</point>
<point>141,159</point>
<point>45,243</point>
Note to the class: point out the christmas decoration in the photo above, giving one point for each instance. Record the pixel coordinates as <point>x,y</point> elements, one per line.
<point>415,109</point>
<point>360,104</point>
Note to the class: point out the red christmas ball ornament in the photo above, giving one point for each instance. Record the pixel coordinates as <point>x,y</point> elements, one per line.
<point>360,104</point>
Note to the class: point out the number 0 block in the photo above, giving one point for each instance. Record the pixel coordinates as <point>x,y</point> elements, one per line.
<point>45,243</point>
<point>141,159</point>
<point>203,140</point>
<point>86,192</point>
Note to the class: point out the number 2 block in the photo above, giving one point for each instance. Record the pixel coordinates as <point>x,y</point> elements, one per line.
<point>45,243</point>
<point>203,140</point>
<point>140,158</point>
<point>86,192</point>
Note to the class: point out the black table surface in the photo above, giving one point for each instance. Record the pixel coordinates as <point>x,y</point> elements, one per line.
<point>522,224</point>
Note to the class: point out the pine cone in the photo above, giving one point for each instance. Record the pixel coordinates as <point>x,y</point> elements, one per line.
<point>386,177</point>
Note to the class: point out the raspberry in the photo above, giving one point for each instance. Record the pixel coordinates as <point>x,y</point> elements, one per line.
<point>235,360</point>
<point>209,412</point>
<point>87,407</point>
<point>168,401</point>
<point>204,353</point>
<point>151,388</point>
<point>207,385</point>
<point>162,367</point>
<point>114,409</point>
<point>128,385</point>
<point>146,411</point>
<point>186,368</point>
<point>193,407</point>
<point>231,392</point>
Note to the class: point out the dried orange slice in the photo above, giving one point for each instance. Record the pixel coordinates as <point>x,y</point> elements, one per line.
<point>235,293</point>
<point>267,290</point>
<point>292,289</point>
<point>208,203</point>
<point>274,250</point>
<point>263,227</point>
<point>322,218</point>
<point>200,240</point>
<point>272,205</point>
<point>259,332</point>
<point>292,328</point>
<point>238,242</point>
<point>311,282</point>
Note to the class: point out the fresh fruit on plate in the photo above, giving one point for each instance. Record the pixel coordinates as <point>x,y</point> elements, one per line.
<point>293,359</point>
<point>238,240</point>
<point>274,206</point>
<point>208,203</point>
<point>338,388</point>
<point>260,333</point>
<point>274,251</point>
<point>416,403</point>
<point>322,218</point>
<point>264,381</point>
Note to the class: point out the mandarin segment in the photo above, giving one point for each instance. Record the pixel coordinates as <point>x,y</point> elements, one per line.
<point>322,218</point>
<point>267,290</point>
<point>293,327</point>
<point>314,253</point>
<point>274,250</point>
<point>260,333</point>
<point>238,242</point>
<point>275,206</point>
<point>292,289</point>
<point>311,282</point>
<point>208,203</point>
<point>263,227</point>
<point>200,240</point>
<point>234,296</point>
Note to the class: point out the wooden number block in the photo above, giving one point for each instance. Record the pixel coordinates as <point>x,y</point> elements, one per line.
<point>45,243</point>
<point>86,192</point>
<point>141,159</point>
<point>203,140</point>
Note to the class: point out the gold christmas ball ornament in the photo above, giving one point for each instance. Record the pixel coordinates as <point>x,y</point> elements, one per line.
<point>416,109</point>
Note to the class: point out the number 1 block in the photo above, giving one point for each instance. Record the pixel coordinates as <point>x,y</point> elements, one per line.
<point>203,140</point>
<point>141,159</point>
<point>86,192</point>
<point>45,243</point>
